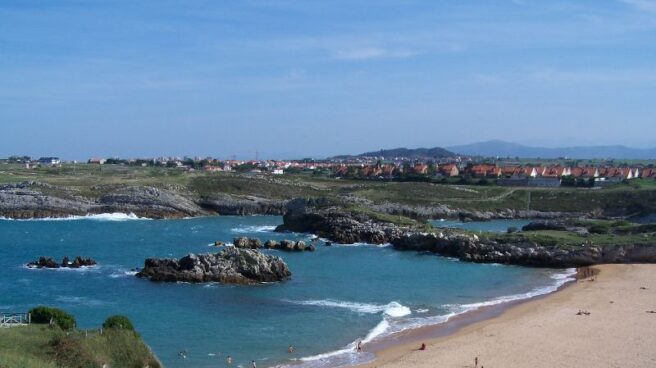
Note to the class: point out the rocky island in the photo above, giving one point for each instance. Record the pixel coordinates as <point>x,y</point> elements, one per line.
<point>284,245</point>
<point>229,266</point>
<point>49,262</point>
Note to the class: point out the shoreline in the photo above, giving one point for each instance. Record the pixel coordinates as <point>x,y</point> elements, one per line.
<point>454,324</point>
<point>451,323</point>
<point>547,319</point>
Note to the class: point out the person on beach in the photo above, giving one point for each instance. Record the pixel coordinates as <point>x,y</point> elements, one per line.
<point>360,346</point>
<point>290,349</point>
<point>422,347</point>
<point>476,362</point>
<point>229,360</point>
<point>254,365</point>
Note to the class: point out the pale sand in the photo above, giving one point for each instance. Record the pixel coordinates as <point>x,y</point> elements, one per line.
<point>546,332</point>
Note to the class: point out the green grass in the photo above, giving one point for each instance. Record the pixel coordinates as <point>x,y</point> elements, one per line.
<point>553,238</point>
<point>40,346</point>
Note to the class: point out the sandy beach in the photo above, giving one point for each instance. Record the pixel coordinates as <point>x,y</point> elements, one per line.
<point>549,332</point>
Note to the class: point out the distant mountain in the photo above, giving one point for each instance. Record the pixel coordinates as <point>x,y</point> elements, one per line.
<point>424,153</point>
<point>499,148</point>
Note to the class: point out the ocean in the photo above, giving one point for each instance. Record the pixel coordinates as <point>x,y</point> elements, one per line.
<point>337,295</point>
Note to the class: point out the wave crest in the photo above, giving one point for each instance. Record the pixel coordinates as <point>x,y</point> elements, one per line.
<point>114,216</point>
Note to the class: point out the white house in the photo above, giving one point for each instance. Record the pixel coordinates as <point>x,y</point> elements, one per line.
<point>49,161</point>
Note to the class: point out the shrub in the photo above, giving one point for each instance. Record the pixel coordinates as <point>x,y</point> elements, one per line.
<point>43,314</point>
<point>70,352</point>
<point>119,322</point>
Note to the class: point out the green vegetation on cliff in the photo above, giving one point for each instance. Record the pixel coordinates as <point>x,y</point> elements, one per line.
<point>45,346</point>
<point>583,232</point>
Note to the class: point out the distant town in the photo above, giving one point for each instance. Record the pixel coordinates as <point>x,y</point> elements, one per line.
<point>453,169</point>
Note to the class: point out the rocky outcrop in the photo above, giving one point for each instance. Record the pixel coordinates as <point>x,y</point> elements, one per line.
<point>148,202</point>
<point>49,262</point>
<point>35,200</point>
<point>284,245</point>
<point>230,266</point>
<point>224,204</point>
<point>38,200</point>
<point>472,249</point>
<point>558,225</point>
<point>446,212</point>
<point>328,221</point>
<point>319,217</point>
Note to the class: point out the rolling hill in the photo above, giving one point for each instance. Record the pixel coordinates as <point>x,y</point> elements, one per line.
<point>411,153</point>
<point>498,148</point>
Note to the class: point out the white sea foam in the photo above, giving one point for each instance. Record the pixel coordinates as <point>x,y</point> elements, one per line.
<point>253,229</point>
<point>95,268</point>
<point>121,274</point>
<point>359,244</point>
<point>560,280</point>
<point>393,309</point>
<point>393,322</point>
<point>116,216</point>
<point>81,300</point>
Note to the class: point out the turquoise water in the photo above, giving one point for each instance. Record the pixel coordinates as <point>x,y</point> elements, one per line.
<point>497,226</point>
<point>337,295</point>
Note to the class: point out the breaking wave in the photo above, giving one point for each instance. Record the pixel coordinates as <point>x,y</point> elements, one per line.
<point>396,318</point>
<point>253,229</point>
<point>115,216</point>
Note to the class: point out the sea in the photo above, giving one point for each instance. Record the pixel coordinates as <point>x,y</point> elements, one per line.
<point>337,295</point>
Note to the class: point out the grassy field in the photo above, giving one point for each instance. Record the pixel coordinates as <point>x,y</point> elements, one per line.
<point>638,196</point>
<point>601,232</point>
<point>41,346</point>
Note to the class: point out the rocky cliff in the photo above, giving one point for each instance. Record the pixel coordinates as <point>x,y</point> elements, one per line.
<point>335,224</point>
<point>472,249</point>
<point>324,219</point>
<point>38,200</point>
<point>230,266</point>
<point>224,204</point>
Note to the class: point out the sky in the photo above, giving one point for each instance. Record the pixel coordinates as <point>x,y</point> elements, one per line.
<point>293,79</point>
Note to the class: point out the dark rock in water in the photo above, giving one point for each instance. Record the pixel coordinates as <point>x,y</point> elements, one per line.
<point>230,266</point>
<point>470,248</point>
<point>218,243</point>
<point>284,245</point>
<point>320,218</point>
<point>271,244</point>
<point>81,262</point>
<point>49,262</point>
<point>247,243</point>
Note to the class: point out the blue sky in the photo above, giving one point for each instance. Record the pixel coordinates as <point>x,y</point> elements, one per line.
<point>317,78</point>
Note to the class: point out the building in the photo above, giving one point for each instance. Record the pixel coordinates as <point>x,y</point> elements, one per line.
<point>49,161</point>
<point>97,161</point>
<point>449,170</point>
